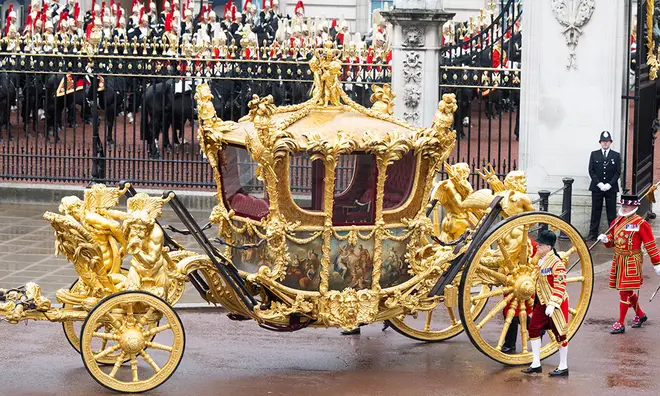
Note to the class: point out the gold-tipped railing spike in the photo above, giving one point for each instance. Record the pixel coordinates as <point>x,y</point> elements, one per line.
<point>491,7</point>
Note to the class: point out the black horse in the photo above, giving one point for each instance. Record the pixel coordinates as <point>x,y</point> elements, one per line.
<point>8,95</point>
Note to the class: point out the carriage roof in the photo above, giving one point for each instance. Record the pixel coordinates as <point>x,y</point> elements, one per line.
<point>327,122</point>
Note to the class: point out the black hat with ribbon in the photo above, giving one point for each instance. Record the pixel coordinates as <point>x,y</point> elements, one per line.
<point>630,200</point>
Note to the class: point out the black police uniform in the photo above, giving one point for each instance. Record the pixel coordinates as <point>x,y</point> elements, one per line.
<point>604,170</point>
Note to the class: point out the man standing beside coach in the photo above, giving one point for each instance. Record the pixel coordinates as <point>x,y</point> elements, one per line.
<point>604,170</point>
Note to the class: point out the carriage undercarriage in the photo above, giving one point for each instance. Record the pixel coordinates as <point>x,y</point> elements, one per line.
<point>347,257</point>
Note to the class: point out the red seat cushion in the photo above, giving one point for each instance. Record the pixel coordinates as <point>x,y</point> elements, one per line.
<point>249,206</point>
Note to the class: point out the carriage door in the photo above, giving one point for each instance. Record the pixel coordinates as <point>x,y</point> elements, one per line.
<point>646,107</point>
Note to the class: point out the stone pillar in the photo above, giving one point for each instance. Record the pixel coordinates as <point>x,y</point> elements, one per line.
<point>564,110</point>
<point>416,58</point>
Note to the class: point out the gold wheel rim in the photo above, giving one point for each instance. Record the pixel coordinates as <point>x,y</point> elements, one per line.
<point>450,319</point>
<point>509,283</point>
<point>72,333</point>
<point>131,316</point>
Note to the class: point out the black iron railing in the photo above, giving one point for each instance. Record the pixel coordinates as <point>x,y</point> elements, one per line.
<point>71,117</point>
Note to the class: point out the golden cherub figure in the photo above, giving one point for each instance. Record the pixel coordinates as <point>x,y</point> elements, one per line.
<point>146,245</point>
<point>444,117</point>
<point>451,193</point>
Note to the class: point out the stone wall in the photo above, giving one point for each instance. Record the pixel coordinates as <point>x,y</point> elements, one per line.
<point>564,110</point>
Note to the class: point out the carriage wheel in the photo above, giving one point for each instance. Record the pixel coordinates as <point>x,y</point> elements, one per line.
<point>440,324</point>
<point>72,329</point>
<point>511,279</point>
<point>132,315</point>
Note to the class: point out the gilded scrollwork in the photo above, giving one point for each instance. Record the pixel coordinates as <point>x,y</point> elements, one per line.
<point>348,308</point>
<point>382,99</point>
<point>280,312</point>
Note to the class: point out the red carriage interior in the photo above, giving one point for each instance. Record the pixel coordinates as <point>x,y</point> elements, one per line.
<point>354,204</point>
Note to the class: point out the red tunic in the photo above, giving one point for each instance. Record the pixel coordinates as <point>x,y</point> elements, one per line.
<point>627,237</point>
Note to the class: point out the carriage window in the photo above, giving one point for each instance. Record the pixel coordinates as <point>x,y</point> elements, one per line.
<point>399,182</point>
<point>242,191</point>
<point>306,181</point>
<point>355,187</point>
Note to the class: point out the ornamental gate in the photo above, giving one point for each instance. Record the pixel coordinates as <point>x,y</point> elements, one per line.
<point>643,61</point>
<point>480,63</point>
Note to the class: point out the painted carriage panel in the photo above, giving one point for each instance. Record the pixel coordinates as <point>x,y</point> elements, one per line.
<point>394,270</point>
<point>304,269</point>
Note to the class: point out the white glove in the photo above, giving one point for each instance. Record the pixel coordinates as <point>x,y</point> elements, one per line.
<point>603,238</point>
<point>601,186</point>
<point>549,310</point>
<point>607,187</point>
<point>657,269</point>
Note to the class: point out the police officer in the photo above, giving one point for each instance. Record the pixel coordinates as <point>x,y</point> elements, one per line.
<point>604,169</point>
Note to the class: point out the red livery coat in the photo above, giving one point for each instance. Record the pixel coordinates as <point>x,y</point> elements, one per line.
<point>627,237</point>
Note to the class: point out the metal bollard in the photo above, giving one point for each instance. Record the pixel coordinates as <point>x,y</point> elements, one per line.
<point>544,202</point>
<point>567,203</point>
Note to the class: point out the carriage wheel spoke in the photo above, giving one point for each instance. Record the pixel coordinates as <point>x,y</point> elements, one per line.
<point>452,316</point>
<point>145,318</point>
<point>505,254</point>
<point>567,254</point>
<point>576,279</point>
<point>106,337</point>
<point>130,317</point>
<point>572,311</point>
<point>498,308</point>
<point>118,363</point>
<point>149,360</point>
<point>114,323</point>
<point>507,323</point>
<point>162,347</point>
<point>156,330</point>
<point>524,335</point>
<point>429,316</point>
<point>134,368</point>
<point>523,256</point>
<point>491,273</point>
<point>107,351</point>
<point>492,293</point>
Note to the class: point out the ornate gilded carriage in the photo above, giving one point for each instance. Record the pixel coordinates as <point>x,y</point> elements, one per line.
<point>355,247</point>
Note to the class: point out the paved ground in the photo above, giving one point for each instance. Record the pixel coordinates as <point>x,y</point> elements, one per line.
<point>27,250</point>
<point>238,358</point>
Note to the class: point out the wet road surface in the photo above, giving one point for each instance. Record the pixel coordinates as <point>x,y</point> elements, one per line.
<point>224,357</point>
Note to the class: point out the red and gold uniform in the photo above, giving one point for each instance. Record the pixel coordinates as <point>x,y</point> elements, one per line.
<point>550,290</point>
<point>627,234</point>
